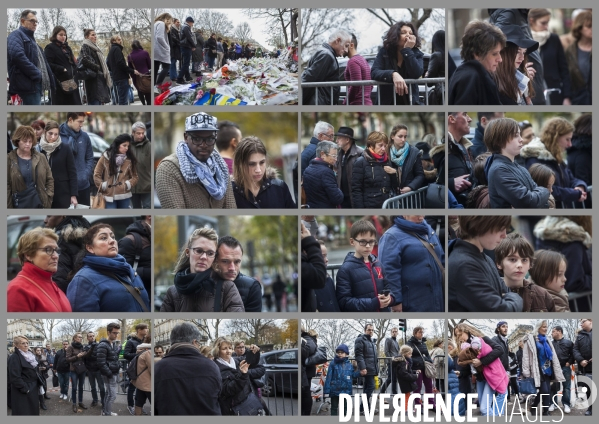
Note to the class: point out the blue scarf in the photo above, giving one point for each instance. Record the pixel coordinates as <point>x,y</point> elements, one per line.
<point>545,354</point>
<point>399,156</point>
<point>117,265</point>
<point>339,360</point>
<point>210,173</point>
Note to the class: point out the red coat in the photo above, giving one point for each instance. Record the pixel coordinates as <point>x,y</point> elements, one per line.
<point>24,296</point>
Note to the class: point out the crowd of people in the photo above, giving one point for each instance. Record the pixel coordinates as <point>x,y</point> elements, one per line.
<point>496,371</point>
<point>235,175</point>
<point>98,361</point>
<point>506,166</point>
<point>221,378</point>
<point>514,59</point>
<point>405,275</point>
<point>53,75</point>
<point>341,174</point>
<point>50,165</point>
<point>492,271</point>
<point>72,266</point>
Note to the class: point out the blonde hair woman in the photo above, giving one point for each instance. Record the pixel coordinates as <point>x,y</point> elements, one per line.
<point>162,49</point>
<point>24,379</point>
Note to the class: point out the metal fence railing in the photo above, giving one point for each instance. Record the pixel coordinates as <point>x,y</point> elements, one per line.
<point>576,297</point>
<point>278,390</point>
<point>409,82</point>
<point>411,200</point>
<point>579,205</point>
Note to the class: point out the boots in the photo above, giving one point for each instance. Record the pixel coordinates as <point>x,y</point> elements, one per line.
<point>82,406</point>
<point>138,410</point>
<point>46,395</point>
<point>42,403</point>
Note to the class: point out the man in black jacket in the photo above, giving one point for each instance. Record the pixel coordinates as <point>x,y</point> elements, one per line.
<point>368,361</point>
<point>93,371</point>
<point>211,44</point>
<point>119,70</point>
<point>347,154</point>
<point>227,265</point>
<point>130,351</point>
<point>564,349</point>
<point>136,248</point>
<point>185,381</point>
<point>174,41</point>
<point>309,347</point>
<point>314,271</point>
<point>62,368</point>
<point>188,44</point>
<point>583,351</point>
<point>108,363</point>
<point>459,161</point>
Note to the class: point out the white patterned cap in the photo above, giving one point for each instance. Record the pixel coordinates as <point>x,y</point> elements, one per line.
<point>200,121</point>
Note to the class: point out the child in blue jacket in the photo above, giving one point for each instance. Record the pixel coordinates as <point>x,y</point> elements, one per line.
<point>339,377</point>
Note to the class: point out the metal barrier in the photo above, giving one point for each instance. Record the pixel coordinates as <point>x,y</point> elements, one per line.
<point>410,200</point>
<point>575,296</point>
<point>579,205</point>
<point>333,268</point>
<point>282,380</point>
<point>409,82</point>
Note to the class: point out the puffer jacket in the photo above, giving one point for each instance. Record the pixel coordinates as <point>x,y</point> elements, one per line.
<point>406,376</point>
<point>309,347</point>
<point>415,279</point>
<point>530,361</point>
<point>91,360</point>
<point>236,387</point>
<point>115,187</point>
<point>72,353</point>
<point>511,186</point>
<point>583,349</point>
<point>412,174</point>
<point>41,175</point>
<point>565,351</point>
<point>320,185</point>
<point>358,286</point>
<point>563,188</point>
<point>418,358</point>
<point>326,297</point>
<point>23,60</point>
<point>70,241</point>
<point>366,354</point>
<point>108,357</point>
<point>250,291</point>
<point>322,67</point>
<point>339,377</point>
<point>370,184</point>
<point>535,298</point>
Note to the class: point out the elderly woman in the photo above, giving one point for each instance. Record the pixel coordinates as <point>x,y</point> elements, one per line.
<point>414,274</point>
<point>405,161</point>
<point>540,361</point>
<point>472,83</point>
<point>103,281</point>
<point>197,288</point>
<point>62,164</point>
<point>43,367</point>
<point>237,395</point>
<point>75,355</point>
<point>373,177</point>
<point>29,178</point>
<point>62,61</point>
<point>255,185</point>
<point>550,150</point>
<point>97,88</point>
<point>399,59</point>
<point>143,383</point>
<point>33,290</point>
<point>116,173</point>
<point>319,182</point>
<point>579,58</point>
<point>24,379</point>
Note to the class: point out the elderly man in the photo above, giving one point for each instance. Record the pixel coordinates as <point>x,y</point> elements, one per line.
<point>142,191</point>
<point>322,131</point>
<point>323,67</point>
<point>195,176</point>
<point>185,381</point>
<point>29,74</point>
<point>348,154</point>
<point>320,183</point>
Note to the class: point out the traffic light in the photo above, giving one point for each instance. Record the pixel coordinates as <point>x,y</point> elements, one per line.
<point>401,324</point>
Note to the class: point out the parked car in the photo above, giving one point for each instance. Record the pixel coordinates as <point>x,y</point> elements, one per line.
<point>281,371</point>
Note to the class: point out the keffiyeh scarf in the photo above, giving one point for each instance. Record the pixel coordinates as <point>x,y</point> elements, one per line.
<point>210,173</point>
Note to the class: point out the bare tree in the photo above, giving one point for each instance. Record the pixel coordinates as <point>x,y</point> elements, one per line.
<point>210,327</point>
<point>49,19</point>
<point>333,332</point>
<point>180,14</point>
<point>381,326</point>
<point>45,327</point>
<point>213,22</point>
<point>276,21</point>
<point>89,18</point>
<point>72,326</point>
<point>13,19</point>
<point>254,328</point>
<point>317,23</point>
<point>243,32</point>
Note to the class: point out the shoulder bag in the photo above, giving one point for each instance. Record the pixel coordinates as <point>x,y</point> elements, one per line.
<point>319,357</point>
<point>144,82</point>
<point>83,73</point>
<point>527,386</point>
<point>98,201</point>
<point>429,367</point>
<point>28,198</point>
<point>435,196</point>
<point>251,406</point>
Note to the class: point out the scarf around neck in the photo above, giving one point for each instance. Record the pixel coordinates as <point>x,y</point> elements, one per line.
<point>46,84</point>
<point>379,158</point>
<point>117,265</point>
<point>210,173</point>
<point>189,283</point>
<point>29,357</point>
<point>230,364</point>
<point>49,148</point>
<point>540,36</point>
<point>87,42</point>
<point>545,354</point>
<point>399,156</point>
<point>120,159</point>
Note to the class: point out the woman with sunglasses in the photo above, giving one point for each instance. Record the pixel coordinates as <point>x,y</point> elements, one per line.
<point>197,287</point>
<point>33,290</point>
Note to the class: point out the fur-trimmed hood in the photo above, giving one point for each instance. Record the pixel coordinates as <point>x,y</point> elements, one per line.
<point>437,149</point>
<point>72,234</point>
<point>560,228</point>
<point>536,149</point>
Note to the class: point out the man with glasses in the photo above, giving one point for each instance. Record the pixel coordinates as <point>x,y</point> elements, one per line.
<point>583,352</point>
<point>108,363</point>
<point>323,131</point>
<point>320,182</point>
<point>368,361</point>
<point>195,176</point>
<point>29,74</point>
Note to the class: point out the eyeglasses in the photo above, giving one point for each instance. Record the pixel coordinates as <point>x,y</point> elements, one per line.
<point>329,136</point>
<point>198,141</point>
<point>33,21</point>
<point>50,251</point>
<point>333,156</point>
<point>200,252</point>
<point>365,243</point>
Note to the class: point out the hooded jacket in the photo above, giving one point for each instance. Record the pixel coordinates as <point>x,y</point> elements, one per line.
<point>474,282</point>
<point>511,186</point>
<point>115,187</point>
<point>339,377</point>
<point>415,279</point>
<point>366,354</point>
<point>322,67</point>
<point>129,249</point>
<point>472,84</point>
<point>41,175</point>
<point>81,146</point>
<point>320,185</point>
<point>530,361</point>
<point>563,188</point>
<point>370,184</point>
<point>358,286</point>
<point>70,241</point>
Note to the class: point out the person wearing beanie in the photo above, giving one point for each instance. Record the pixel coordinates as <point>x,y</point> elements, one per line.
<point>340,374</point>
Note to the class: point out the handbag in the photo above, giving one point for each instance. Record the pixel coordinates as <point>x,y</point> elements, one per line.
<point>251,406</point>
<point>83,73</point>
<point>319,357</point>
<point>28,198</point>
<point>98,201</point>
<point>54,380</point>
<point>527,386</point>
<point>435,196</point>
<point>79,367</point>
<point>69,85</point>
<point>143,82</point>
<point>429,367</point>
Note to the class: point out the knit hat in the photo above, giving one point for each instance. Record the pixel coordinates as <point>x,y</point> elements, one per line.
<point>425,148</point>
<point>475,343</point>
<point>342,347</point>
<point>201,122</point>
<point>499,324</point>
<point>189,19</point>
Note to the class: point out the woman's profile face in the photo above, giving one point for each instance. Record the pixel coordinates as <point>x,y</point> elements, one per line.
<point>61,36</point>
<point>543,329</point>
<point>399,139</point>
<point>256,167</point>
<point>225,351</point>
<point>92,37</point>
<point>104,244</point>
<point>564,141</point>
<point>527,135</point>
<point>492,59</point>
<point>123,148</point>
<point>541,24</point>
<point>41,259</point>
<point>201,254</point>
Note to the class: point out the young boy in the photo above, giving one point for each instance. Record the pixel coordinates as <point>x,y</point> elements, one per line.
<point>514,256</point>
<point>474,282</point>
<point>360,283</point>
<point>339,377</point>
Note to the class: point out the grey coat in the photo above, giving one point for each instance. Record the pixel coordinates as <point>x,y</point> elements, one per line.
<point>162,49</point>
<point>530,363</point>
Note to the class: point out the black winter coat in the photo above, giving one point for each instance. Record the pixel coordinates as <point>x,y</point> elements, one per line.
<point>91,360</point>
<point>322,67</point>
<point>436,65</point>
<point>366,354</point>
<point>358,287</point>
<point>108,357</point>
<point>326,298</point>
<point>504,357</point>
<point>564,349</point>
<point>412,174</point>
<point>579,273</point>
<point>211,46</point>
<point>117,65</point>
<point>583,350</point>
<point>314,272</point>
<point>198,54</point>
<point>188,40</point>
<point>250,291</point>
<point>309,346</point>
<point>186,383</point>
<point>474,282</point>
<point>418,358</point>
<point>130,350</point>
<point>345,170</point>
<point>580,161</point>
<point>64,172</point>
<point>472,84</point>
<point>95,88</point>
<point>405,375</point>
<point>174,41</point>
<point>370,184</point>
<point>457,166</point>
<point>385,65</point>
<point>555,69</point>
<point>320,185</point>
<point>236,387</point>
<point>24,381</point>
<point>478,144</point>
<point>273,194</point>
<point>60,362</point>
<point>129,249</point>
<point>70,241</point>
<point>59,61</point>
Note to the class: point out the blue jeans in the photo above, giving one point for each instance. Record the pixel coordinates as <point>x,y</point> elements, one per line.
<point>567,371</point>
<point>33,99</point>
<point>94,376</point>
<point>185,62</point>
<point>173,69</point>
<point>485,400</point>
<point>63,382</point>
<point>142,200</point>
<point>211,61</point>
<point>111,388</point>
<point>368,389</point>
<point>121,88</point>
<point>119,204</point>
<point>77,380</point>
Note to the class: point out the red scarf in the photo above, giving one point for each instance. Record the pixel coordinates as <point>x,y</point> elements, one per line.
<point>379,158</point>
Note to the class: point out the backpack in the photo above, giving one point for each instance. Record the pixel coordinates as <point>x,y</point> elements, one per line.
<point>319,357</point>
<point>132,368</point>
